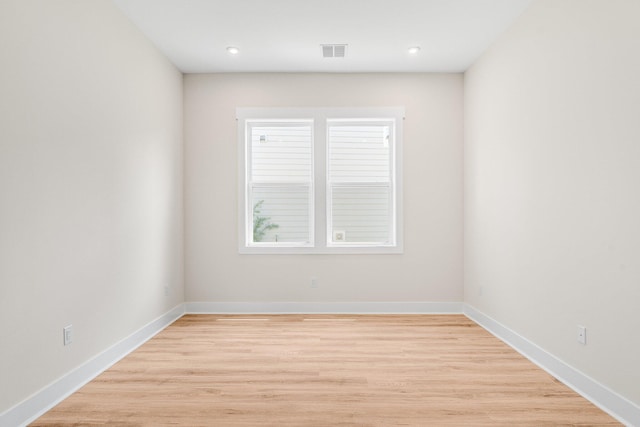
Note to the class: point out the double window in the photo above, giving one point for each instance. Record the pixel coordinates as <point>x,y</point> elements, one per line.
<point>320,180</point>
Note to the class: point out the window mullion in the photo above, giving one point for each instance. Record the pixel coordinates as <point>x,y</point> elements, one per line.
<point>320,181</point>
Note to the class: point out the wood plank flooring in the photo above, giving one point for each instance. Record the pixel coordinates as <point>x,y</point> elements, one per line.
<point>325,370</point>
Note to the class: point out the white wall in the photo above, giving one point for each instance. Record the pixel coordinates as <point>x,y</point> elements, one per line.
<point>90,186</point>
<point>430,268</point>
<point>552,173</point>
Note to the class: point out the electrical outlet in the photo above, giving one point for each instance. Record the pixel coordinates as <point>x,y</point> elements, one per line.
<point>67,333</point>
<point>582,335</point>
<point>314,282</point>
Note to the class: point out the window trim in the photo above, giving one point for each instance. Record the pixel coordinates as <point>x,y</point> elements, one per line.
<point>319,116</point>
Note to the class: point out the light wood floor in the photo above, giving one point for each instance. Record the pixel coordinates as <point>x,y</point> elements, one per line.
<point>317,370</point>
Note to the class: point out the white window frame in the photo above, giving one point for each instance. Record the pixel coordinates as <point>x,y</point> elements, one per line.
<point>249,186</point>
<point>320,241</point>
<point>390,184</point>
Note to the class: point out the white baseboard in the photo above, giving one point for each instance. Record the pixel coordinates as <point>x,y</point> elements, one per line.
<point>607,400</point>
<point>35,406</point>
<point>323,307</point>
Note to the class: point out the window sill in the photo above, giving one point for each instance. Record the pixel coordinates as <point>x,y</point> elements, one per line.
<point>360,250</point>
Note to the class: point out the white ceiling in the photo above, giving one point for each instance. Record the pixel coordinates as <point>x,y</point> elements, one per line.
<point>285,35</point>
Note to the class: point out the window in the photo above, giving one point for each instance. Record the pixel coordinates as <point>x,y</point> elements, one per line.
<point>320,180</point>
<point>280,183</point>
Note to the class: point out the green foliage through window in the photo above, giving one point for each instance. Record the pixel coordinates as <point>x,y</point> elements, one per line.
<point>261,224</point>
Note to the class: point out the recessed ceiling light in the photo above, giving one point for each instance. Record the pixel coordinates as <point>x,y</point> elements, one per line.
<point>413,50</point>
<point>233,50</point>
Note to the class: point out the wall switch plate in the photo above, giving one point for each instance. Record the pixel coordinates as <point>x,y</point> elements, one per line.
<point>314,282</point>
<point>582,335</point>
<point>166,290</point>
<point>67,333</point>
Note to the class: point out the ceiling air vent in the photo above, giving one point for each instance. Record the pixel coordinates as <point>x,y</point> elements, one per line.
<point>334,50</point>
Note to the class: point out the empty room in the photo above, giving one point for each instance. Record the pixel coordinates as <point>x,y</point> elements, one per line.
<point>320,213</point>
